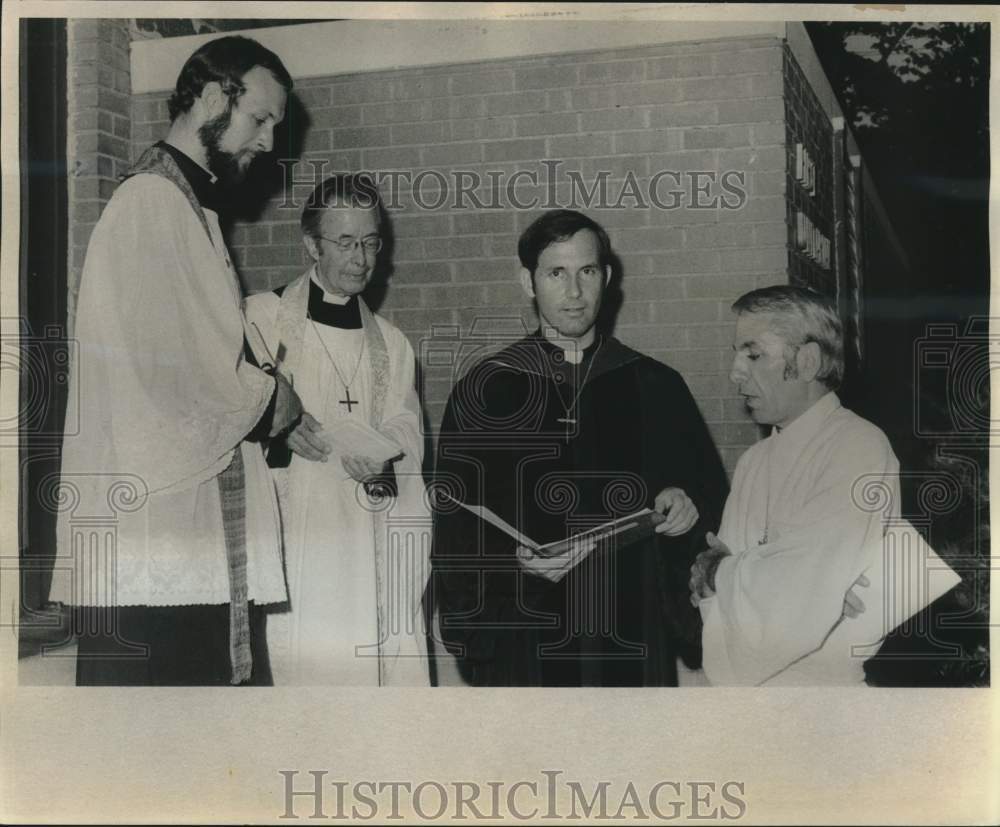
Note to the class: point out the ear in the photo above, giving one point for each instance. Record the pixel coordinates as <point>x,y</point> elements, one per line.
<point>809,361</point>
<point>213,99</point>
<point>526,284</point>
<point>607,275</point>
<point>311,247</point>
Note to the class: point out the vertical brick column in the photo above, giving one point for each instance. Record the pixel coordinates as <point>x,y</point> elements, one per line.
<point>99,130</point>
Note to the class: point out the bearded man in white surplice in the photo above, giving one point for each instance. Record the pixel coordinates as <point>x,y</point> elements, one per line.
<point>355,522</point>
<point>804,531</point>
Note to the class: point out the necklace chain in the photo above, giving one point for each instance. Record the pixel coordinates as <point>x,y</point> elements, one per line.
<point>333,361</point>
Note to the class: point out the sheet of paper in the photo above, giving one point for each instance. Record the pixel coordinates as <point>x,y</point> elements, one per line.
<point>496,520</point>
<point>350,436</point>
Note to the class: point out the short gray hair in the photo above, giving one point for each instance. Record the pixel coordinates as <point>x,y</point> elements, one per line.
<point>803,316</point>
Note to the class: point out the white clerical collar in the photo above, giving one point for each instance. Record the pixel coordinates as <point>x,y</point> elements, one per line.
<point>807,425</point>
<point>329,298</point>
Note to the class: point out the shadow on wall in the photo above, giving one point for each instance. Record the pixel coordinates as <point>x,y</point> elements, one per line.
<point>246,203</point>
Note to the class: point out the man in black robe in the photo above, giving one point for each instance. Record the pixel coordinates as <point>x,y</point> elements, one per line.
<point>562,431</point>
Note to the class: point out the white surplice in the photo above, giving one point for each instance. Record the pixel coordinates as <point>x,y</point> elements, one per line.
<point>331,633</point>
<point>160,397</point>
<point>812,507</point>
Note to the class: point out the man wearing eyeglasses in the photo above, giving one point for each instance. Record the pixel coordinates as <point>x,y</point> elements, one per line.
<point>354,518</point>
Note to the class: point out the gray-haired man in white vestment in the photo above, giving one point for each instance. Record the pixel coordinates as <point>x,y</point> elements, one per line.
<point>780,589</point>
<point>355,523</point>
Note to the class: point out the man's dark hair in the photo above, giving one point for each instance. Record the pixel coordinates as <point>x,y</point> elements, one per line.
<point>345,189</point>
<point>224,61</point>
<point>559,225</point>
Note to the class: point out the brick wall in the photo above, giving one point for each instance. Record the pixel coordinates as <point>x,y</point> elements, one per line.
<point>691,107</point>
<point>99,129</point>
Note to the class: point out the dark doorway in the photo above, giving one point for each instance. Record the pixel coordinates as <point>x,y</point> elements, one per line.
<point>42,318</point>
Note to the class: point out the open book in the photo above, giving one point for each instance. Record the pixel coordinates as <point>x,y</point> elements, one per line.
<point>625,530</point>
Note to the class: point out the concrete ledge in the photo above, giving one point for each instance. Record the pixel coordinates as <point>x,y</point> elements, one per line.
<point>353,46</point>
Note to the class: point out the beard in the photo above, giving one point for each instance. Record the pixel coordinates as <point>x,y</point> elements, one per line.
<point>226,166</point>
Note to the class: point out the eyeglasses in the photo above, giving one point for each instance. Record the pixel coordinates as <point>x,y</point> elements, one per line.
<point>346,244</point>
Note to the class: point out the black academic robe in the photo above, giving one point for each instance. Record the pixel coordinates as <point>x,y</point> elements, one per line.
<point>621,617</point>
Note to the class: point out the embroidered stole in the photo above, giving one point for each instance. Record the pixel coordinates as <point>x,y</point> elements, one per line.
<point>291,324</point>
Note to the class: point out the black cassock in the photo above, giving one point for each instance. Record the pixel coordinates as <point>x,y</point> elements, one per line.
<point>554,448</point>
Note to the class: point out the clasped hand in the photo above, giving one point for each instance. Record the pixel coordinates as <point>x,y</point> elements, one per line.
<point>702,582</point>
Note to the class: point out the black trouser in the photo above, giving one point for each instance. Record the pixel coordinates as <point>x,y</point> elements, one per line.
<point>163,646</point>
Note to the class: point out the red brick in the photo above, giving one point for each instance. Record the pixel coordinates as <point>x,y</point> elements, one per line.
<point>515,103</point>
<point>726,288</point>
<point>661,288</point>
<point>468,83</point>
<point>123,128</point>
<point>472,107</point>
<point>429,272</point>
<point>748,61</point>
<point>483,223</point>
<point>363,91</point>
<point>716,137</point>
<point>360,137</point>
<point>765,86</point>
<point>449,154</point>
<point>112,101</point>
<point>547,124</point>
<point>395,112</point>
<point>421,226</point>
<point>679,66</point>
<point>724,88</point>
<point>571,146</point>
<point>318,140</point>
<point>648,238</point>
<point>527,149</point>
<point>615,72</point>
<point>313,96</point>
<point>775,232</point>
<point>604,120</point>
<point>719,235</point>
<point>545,77</point>
<point>711,335</point>
<point>594,98</point>
<point>470,246</point>
<point>767,259</point>
<point>650,140</point>
<point>454,295</point>
<point>335,116</point>
<point>488,270</point>
<point>696,361</point>
<point>764,208</point>
<point>419,320</point>
<point>654,92</point>
<point>87,212</point>
<point>275,256</point>
<point>482,129</point>
<point>747,111</point>
<point>407,157</point>
<point>768,133</point>
<point>420,133</point>
<point>646,338</point>
<point>420,87</point>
